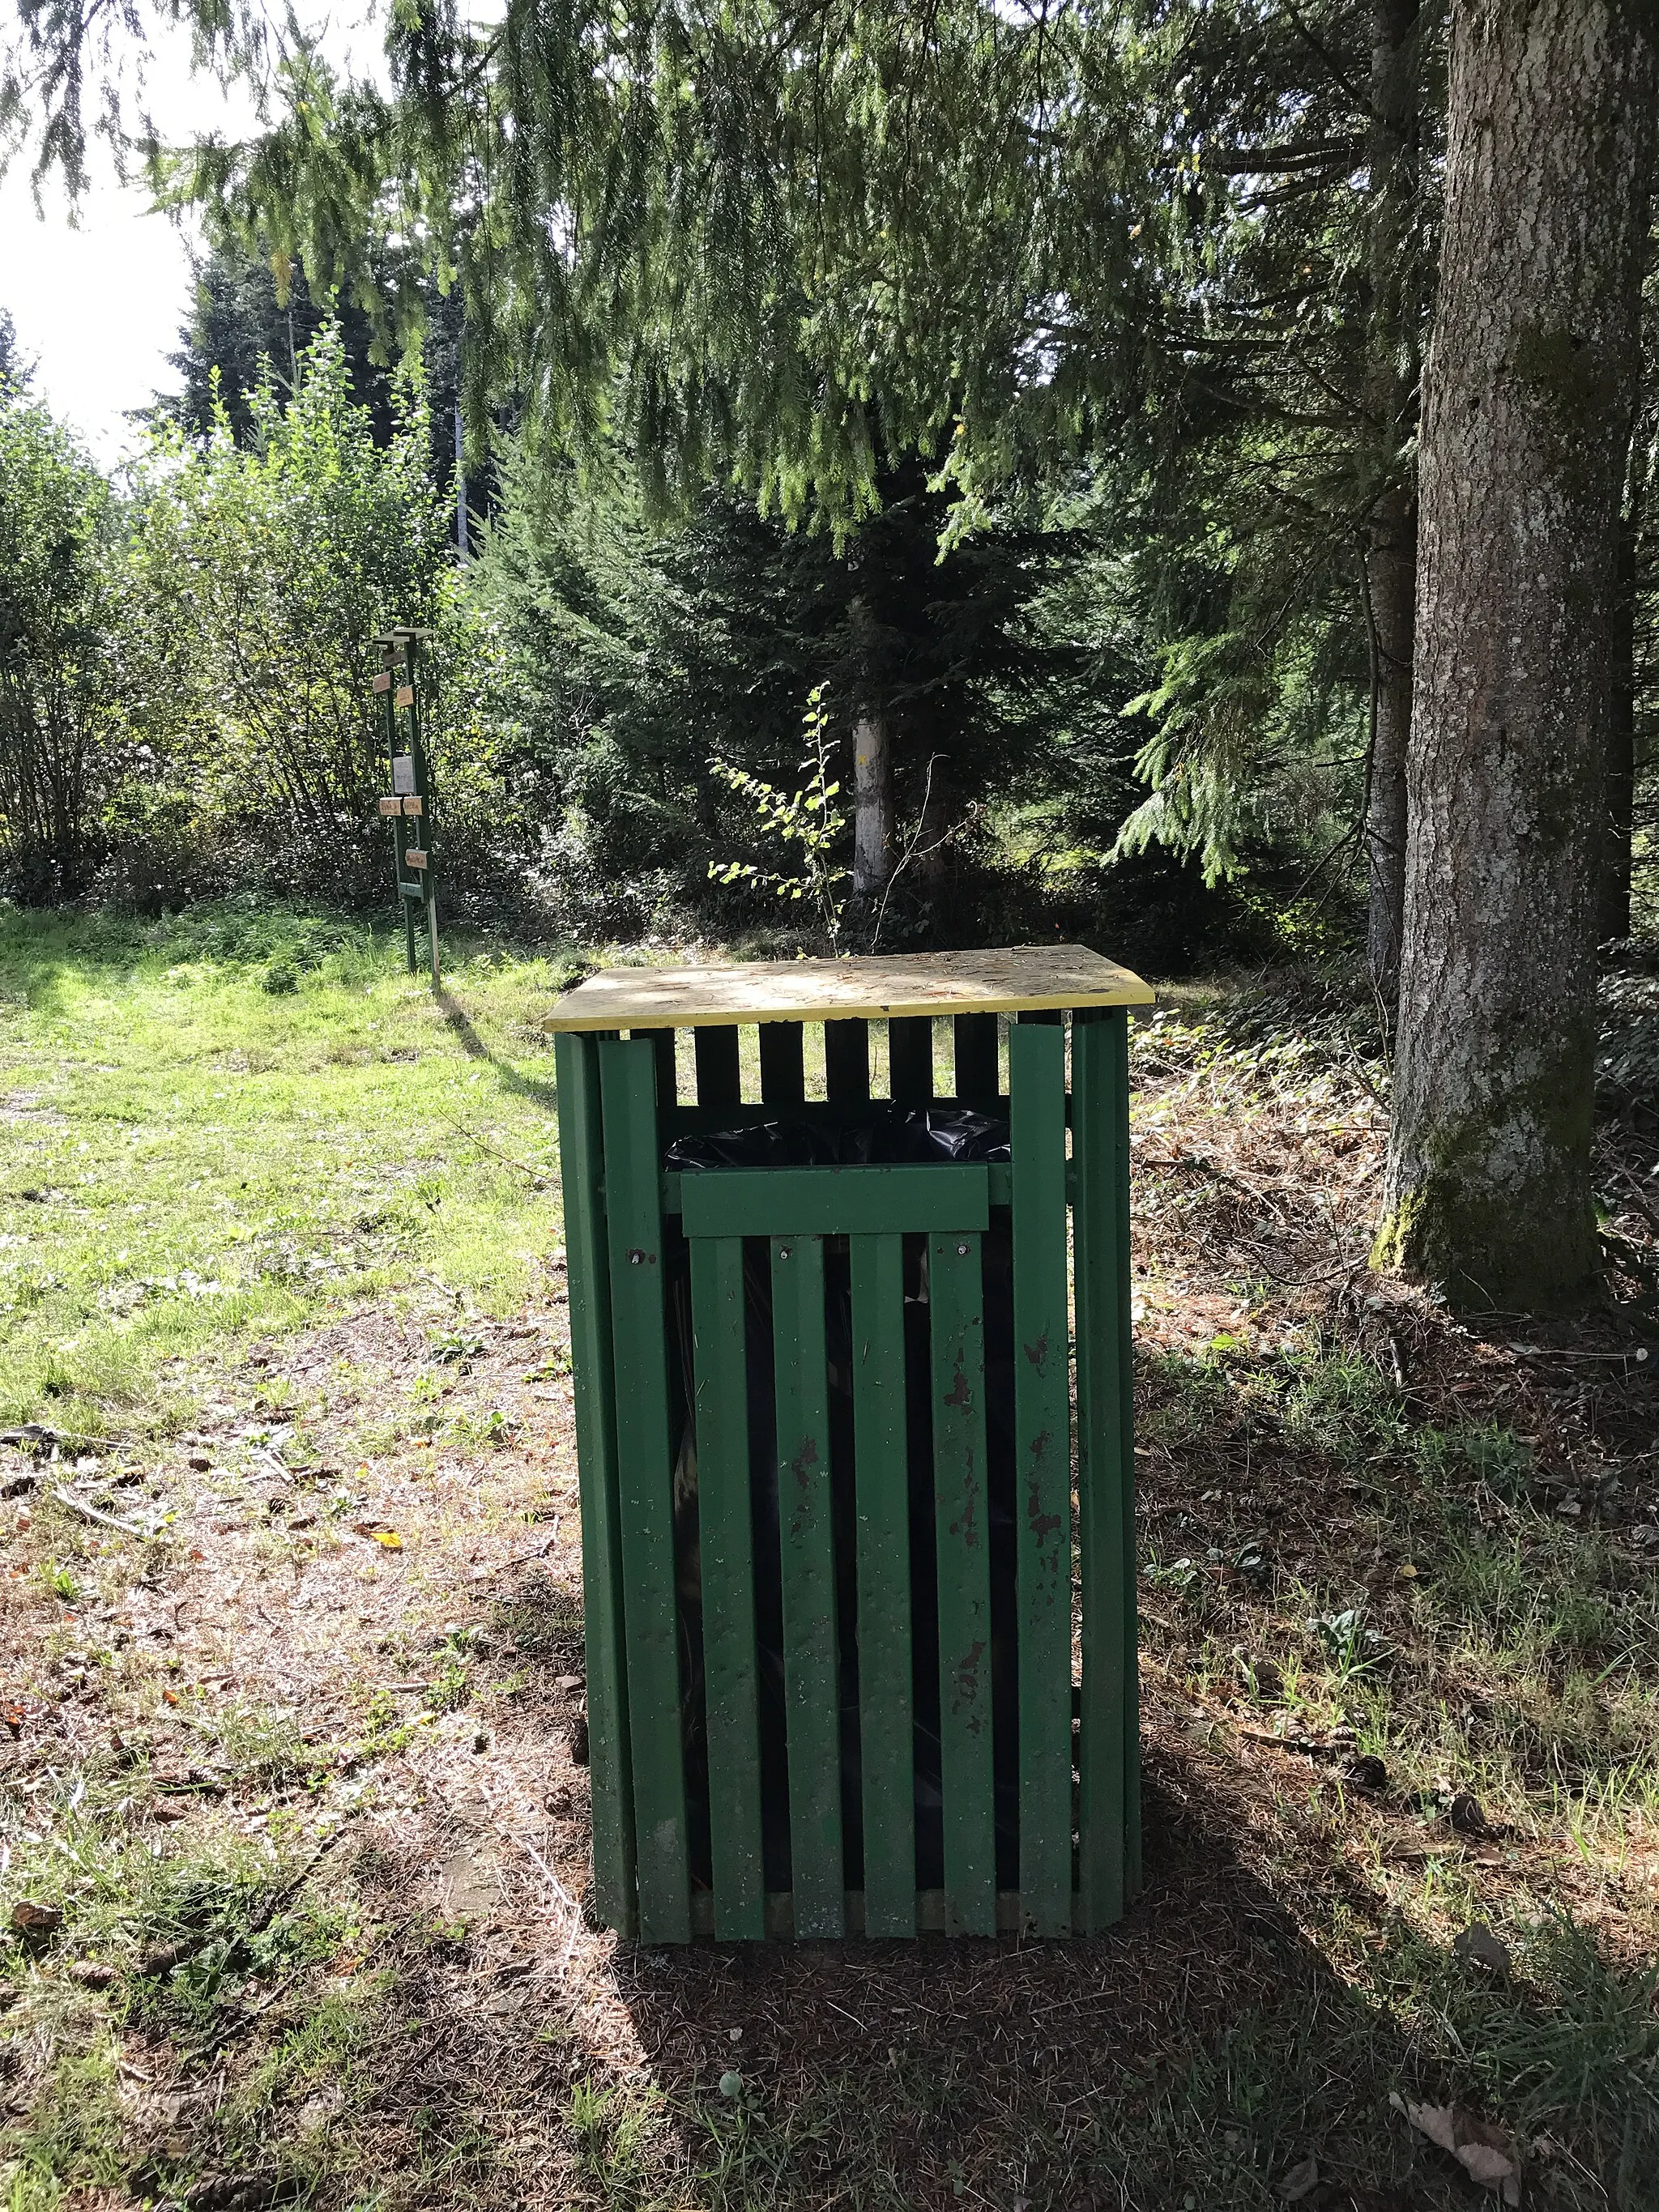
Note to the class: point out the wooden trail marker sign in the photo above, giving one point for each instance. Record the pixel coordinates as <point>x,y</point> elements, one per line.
<point>398,687</point>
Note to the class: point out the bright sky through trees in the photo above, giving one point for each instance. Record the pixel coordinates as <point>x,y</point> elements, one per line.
<point>98,301</point>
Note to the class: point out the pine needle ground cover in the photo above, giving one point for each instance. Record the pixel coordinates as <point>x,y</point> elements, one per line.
<point>295,1804</point>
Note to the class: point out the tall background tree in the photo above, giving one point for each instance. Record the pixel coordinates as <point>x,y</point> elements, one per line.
<point>1531,392</point>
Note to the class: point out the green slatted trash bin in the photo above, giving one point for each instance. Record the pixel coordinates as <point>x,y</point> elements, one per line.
<point>857,1531</point>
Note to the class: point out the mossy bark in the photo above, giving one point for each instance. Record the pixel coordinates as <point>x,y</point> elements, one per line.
<point>1527,412</point>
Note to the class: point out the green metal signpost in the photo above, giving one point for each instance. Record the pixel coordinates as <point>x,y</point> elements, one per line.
<point>398,685</point>
<point>844,1510</point>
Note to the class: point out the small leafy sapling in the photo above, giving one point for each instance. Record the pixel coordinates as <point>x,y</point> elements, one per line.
<point>810,818</point>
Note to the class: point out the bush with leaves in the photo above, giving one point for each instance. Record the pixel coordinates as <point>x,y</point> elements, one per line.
<point>269,567</point>
<point>65,741</point>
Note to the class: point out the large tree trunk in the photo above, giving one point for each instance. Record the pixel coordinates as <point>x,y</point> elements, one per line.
<point>1527,413</point>
<point>1390,554</point>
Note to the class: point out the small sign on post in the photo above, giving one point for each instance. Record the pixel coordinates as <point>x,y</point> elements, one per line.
<point>398,686</point>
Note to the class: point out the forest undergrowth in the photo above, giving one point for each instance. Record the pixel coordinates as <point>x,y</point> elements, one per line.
<point>296,1801</point>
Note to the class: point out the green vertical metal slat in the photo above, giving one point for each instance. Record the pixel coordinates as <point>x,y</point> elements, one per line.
<point>1102,1478</point>
<point>719,1082</point>
<point>1117,1024</point>
<point>956,1294</point>
<point>782,1063</point>
<point>910,1061</point>
<point>633,1176</point>
<point>1042,1461</point>
<point>576,1064</point>
<point>885,1718</point>
<point>806,1541</point>
<point>726,1549</point>
<point>806,1535</point>
<point>846,1062</point>
<point>975,1041</point>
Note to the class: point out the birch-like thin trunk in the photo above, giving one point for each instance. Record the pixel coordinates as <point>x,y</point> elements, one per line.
<point>873,802</point>
<point>1527,416</point>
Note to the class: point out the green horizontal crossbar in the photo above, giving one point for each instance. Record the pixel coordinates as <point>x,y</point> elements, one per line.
<point>413,890</point>
<point>830,1202</point>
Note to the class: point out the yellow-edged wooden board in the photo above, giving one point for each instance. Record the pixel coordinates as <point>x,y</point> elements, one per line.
<point>1016,979</point>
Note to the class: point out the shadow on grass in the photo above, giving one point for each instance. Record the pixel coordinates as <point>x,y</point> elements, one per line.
<point>1189,2062</point>
<point>1192,2055</point>
<point>543,1089</point>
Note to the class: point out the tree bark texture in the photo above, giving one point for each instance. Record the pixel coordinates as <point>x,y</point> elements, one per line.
<point>1391,589</point>
<point>872,808</point>
<point>1527,414</point>
<point>1391,544</point>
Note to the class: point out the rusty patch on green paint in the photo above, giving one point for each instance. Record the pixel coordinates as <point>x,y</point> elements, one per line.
<point>966,1524</point>
<point>1043,1525</point>
<point>1037,1354</point>
<point>965,1684</point>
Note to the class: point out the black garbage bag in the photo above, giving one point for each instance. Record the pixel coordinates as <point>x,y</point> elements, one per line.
<point>885,1137</point>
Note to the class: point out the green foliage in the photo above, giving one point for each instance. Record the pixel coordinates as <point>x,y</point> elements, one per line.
<point>246,327</point>
<point>267,566</point>
<point>762,276</point>
<point>643,656</point>
<point>809,819</point>
<point>66,740</point>
<point>270,567</point>
<point>1175,315</point>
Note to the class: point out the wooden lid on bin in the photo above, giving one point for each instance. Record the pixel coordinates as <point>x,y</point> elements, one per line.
<point>1014,979</point>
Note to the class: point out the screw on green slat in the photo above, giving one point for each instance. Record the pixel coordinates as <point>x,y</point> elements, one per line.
<point>975,1041</point>
<point>847,1062</point>
<point>1103,1476</point>
<point>627,1093</point>
<point>726,1549</point>
<point>886,1719</point>
<point>806,1539</point>
<point>782,1064</point>
<point>910,1061</point>
<point>719,1081</point>
<point>962,1536</point>
<point>576,1062</point>
<point>1042,1462</point>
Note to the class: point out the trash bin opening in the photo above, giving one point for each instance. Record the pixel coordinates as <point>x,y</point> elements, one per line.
<point>898,1136</point>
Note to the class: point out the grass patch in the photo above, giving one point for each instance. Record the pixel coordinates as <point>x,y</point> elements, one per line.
<point>192,1158</point>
